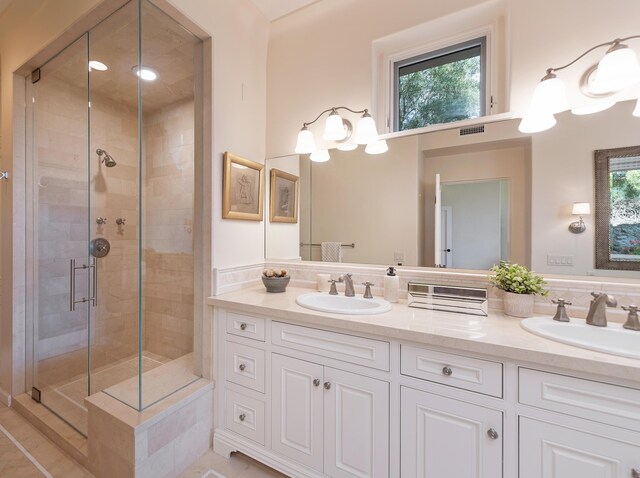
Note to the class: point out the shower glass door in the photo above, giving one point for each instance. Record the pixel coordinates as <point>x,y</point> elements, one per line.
<point>61,268</point>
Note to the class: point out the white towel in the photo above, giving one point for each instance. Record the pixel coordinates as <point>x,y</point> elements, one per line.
<point>331,251</point>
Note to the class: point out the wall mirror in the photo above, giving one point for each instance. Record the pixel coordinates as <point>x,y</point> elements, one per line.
<point>503,195</point>
<point>618,208</point>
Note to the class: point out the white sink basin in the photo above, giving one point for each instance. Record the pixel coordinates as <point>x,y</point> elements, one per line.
<point>339,304</point>
<point>612,339</point>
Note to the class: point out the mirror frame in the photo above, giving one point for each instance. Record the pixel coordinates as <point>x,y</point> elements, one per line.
<point>602,226</point>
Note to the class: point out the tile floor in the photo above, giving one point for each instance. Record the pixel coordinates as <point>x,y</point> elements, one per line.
<point>26,453</point>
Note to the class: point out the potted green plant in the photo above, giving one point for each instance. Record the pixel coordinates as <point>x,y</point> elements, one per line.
<point>275,280</point>
<point>520,285</point>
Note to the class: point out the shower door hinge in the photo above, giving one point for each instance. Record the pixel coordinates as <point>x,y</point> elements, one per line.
<point>35,75</point>
<point>36,394</point>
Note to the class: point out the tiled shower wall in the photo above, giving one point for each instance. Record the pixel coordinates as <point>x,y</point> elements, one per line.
<point>168,230</point>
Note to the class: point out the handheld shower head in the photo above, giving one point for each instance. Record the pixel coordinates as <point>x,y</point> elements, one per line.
<point>108,161</point>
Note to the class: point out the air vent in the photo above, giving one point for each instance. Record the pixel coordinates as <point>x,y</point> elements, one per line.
<point>472,130</point>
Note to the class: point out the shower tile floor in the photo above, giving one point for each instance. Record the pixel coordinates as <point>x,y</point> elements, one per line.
<point>67,398</point>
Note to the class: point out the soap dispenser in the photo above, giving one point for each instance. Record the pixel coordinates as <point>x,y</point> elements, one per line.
<point>391,285</point>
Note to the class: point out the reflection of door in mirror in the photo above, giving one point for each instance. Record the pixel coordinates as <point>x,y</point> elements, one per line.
<point>618,208</point>
<point>477,223</point>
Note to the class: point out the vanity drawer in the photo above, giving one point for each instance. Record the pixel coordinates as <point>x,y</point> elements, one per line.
<point>245,326</point>
<point>245,416</point>
<point>245,366</point>
<point>468,373</point>
<point>357,350</point>
<point>597,401</point>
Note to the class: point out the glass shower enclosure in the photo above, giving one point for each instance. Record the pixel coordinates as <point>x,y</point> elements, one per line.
<point>114,189</point>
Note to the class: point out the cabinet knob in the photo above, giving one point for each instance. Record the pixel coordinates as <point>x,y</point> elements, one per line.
<point>242,367</point>
<point>243,326</point>
<point>242,417</point>
<point>447,371</point>
<point>635,473</point>
<point>327,385</point>
<point>493,434</point>
<point>316,382</point>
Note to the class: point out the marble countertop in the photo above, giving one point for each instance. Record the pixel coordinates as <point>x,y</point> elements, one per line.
<point>496,335</point>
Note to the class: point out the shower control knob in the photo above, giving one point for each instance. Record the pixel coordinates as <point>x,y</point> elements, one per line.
<point>101,220</point>
<point>120,221</point>
<point>100,247</point>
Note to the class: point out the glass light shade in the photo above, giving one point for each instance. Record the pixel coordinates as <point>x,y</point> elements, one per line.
<point>581,209</point>
<point>97,65</point>
<point>347,146</point>
<point>594,106</point>
<point>636,111</point>
<point>550,96</point>
<point>333,128</point>
<point>618,69</point>
<point>366,131</point>
<point>306,143</point>
<point>145,73</point>
<point>377,147</point>
<point>534,122</point>
<point>320,156</point>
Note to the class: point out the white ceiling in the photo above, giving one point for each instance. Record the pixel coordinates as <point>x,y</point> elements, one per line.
<point>274,9</point>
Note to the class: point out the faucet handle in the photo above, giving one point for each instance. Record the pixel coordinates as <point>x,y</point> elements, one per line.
<point>561,302</point>
<point>367,290</point>
<point>632,323</point>
<point>561,312</point>
<point>333,290</point>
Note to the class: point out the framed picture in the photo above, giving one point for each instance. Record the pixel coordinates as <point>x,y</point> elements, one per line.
<point>283,206</point>
<point>242,188</point>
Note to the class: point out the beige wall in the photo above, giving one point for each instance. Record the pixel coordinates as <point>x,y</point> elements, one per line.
<point>368,200</point>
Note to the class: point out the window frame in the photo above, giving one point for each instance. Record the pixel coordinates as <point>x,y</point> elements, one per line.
<point>482,40</point>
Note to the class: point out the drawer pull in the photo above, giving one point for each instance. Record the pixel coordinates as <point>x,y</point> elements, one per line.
<point>635,473</point>
<point>242,417</point>
<point>447,371</point>
<point>243,326</point>
<point>316,382</point>
<point>494,434</point>
<point>327,385</point>
<point>242,367</point>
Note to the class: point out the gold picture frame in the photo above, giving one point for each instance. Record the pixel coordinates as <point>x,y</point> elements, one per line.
<point>242,189</point>
<point>283,204</point>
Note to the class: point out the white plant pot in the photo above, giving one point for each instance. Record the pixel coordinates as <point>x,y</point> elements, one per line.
<point>518,305</point>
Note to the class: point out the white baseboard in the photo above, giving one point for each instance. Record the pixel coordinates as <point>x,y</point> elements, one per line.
<point>5,398</point>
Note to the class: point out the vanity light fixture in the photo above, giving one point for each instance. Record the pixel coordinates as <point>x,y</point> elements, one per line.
<point>339,129</point>
<point>579,209</point>
<point>618,69</point>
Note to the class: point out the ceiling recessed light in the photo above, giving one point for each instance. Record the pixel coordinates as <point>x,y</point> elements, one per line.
<point>145,72</point>
<point>97,65</point>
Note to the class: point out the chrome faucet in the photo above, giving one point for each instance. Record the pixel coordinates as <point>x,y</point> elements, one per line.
<point>597,314</point>
<point>348,286</point>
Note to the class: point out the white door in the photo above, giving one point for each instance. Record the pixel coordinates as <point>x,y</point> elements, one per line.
<point>446,229</point>
<point>356,425</point>
<point>442,437</point>
<point>297,410</point>
<point>552,451</point>
<point>437,225</point>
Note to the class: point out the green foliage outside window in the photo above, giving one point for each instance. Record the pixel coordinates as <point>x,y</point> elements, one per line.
<point>441,94</point>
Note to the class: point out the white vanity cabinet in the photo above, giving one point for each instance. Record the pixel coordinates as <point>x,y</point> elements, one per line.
<point>333,421</point>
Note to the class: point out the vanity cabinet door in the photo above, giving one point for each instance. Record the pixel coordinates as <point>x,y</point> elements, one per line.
<point>356,425</point>
<point>552,451</point>
<point>443,437</point>
<point>297,410</point>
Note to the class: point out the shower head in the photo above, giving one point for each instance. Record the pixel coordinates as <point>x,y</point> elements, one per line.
<point>108,161</point>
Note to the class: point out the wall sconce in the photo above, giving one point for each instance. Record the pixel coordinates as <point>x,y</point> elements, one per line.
<point>618,69</point>
<point>579,209</point>
<point>340,130</point>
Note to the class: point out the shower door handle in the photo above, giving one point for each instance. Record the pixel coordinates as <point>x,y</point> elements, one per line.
<point>72,284</point>
<point>94,265</point>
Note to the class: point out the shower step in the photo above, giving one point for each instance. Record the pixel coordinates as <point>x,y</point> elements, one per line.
<point>72,442</point>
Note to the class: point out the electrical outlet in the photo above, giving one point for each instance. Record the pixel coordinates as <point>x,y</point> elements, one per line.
<point>556,260</point>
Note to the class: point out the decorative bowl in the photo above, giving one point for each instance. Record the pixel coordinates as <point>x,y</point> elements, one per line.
<point>276,284</point>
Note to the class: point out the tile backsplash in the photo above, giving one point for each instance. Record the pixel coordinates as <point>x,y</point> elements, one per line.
<point>303,274</point>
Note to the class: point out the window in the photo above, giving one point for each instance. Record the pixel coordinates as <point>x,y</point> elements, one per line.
<point>441,86</point>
